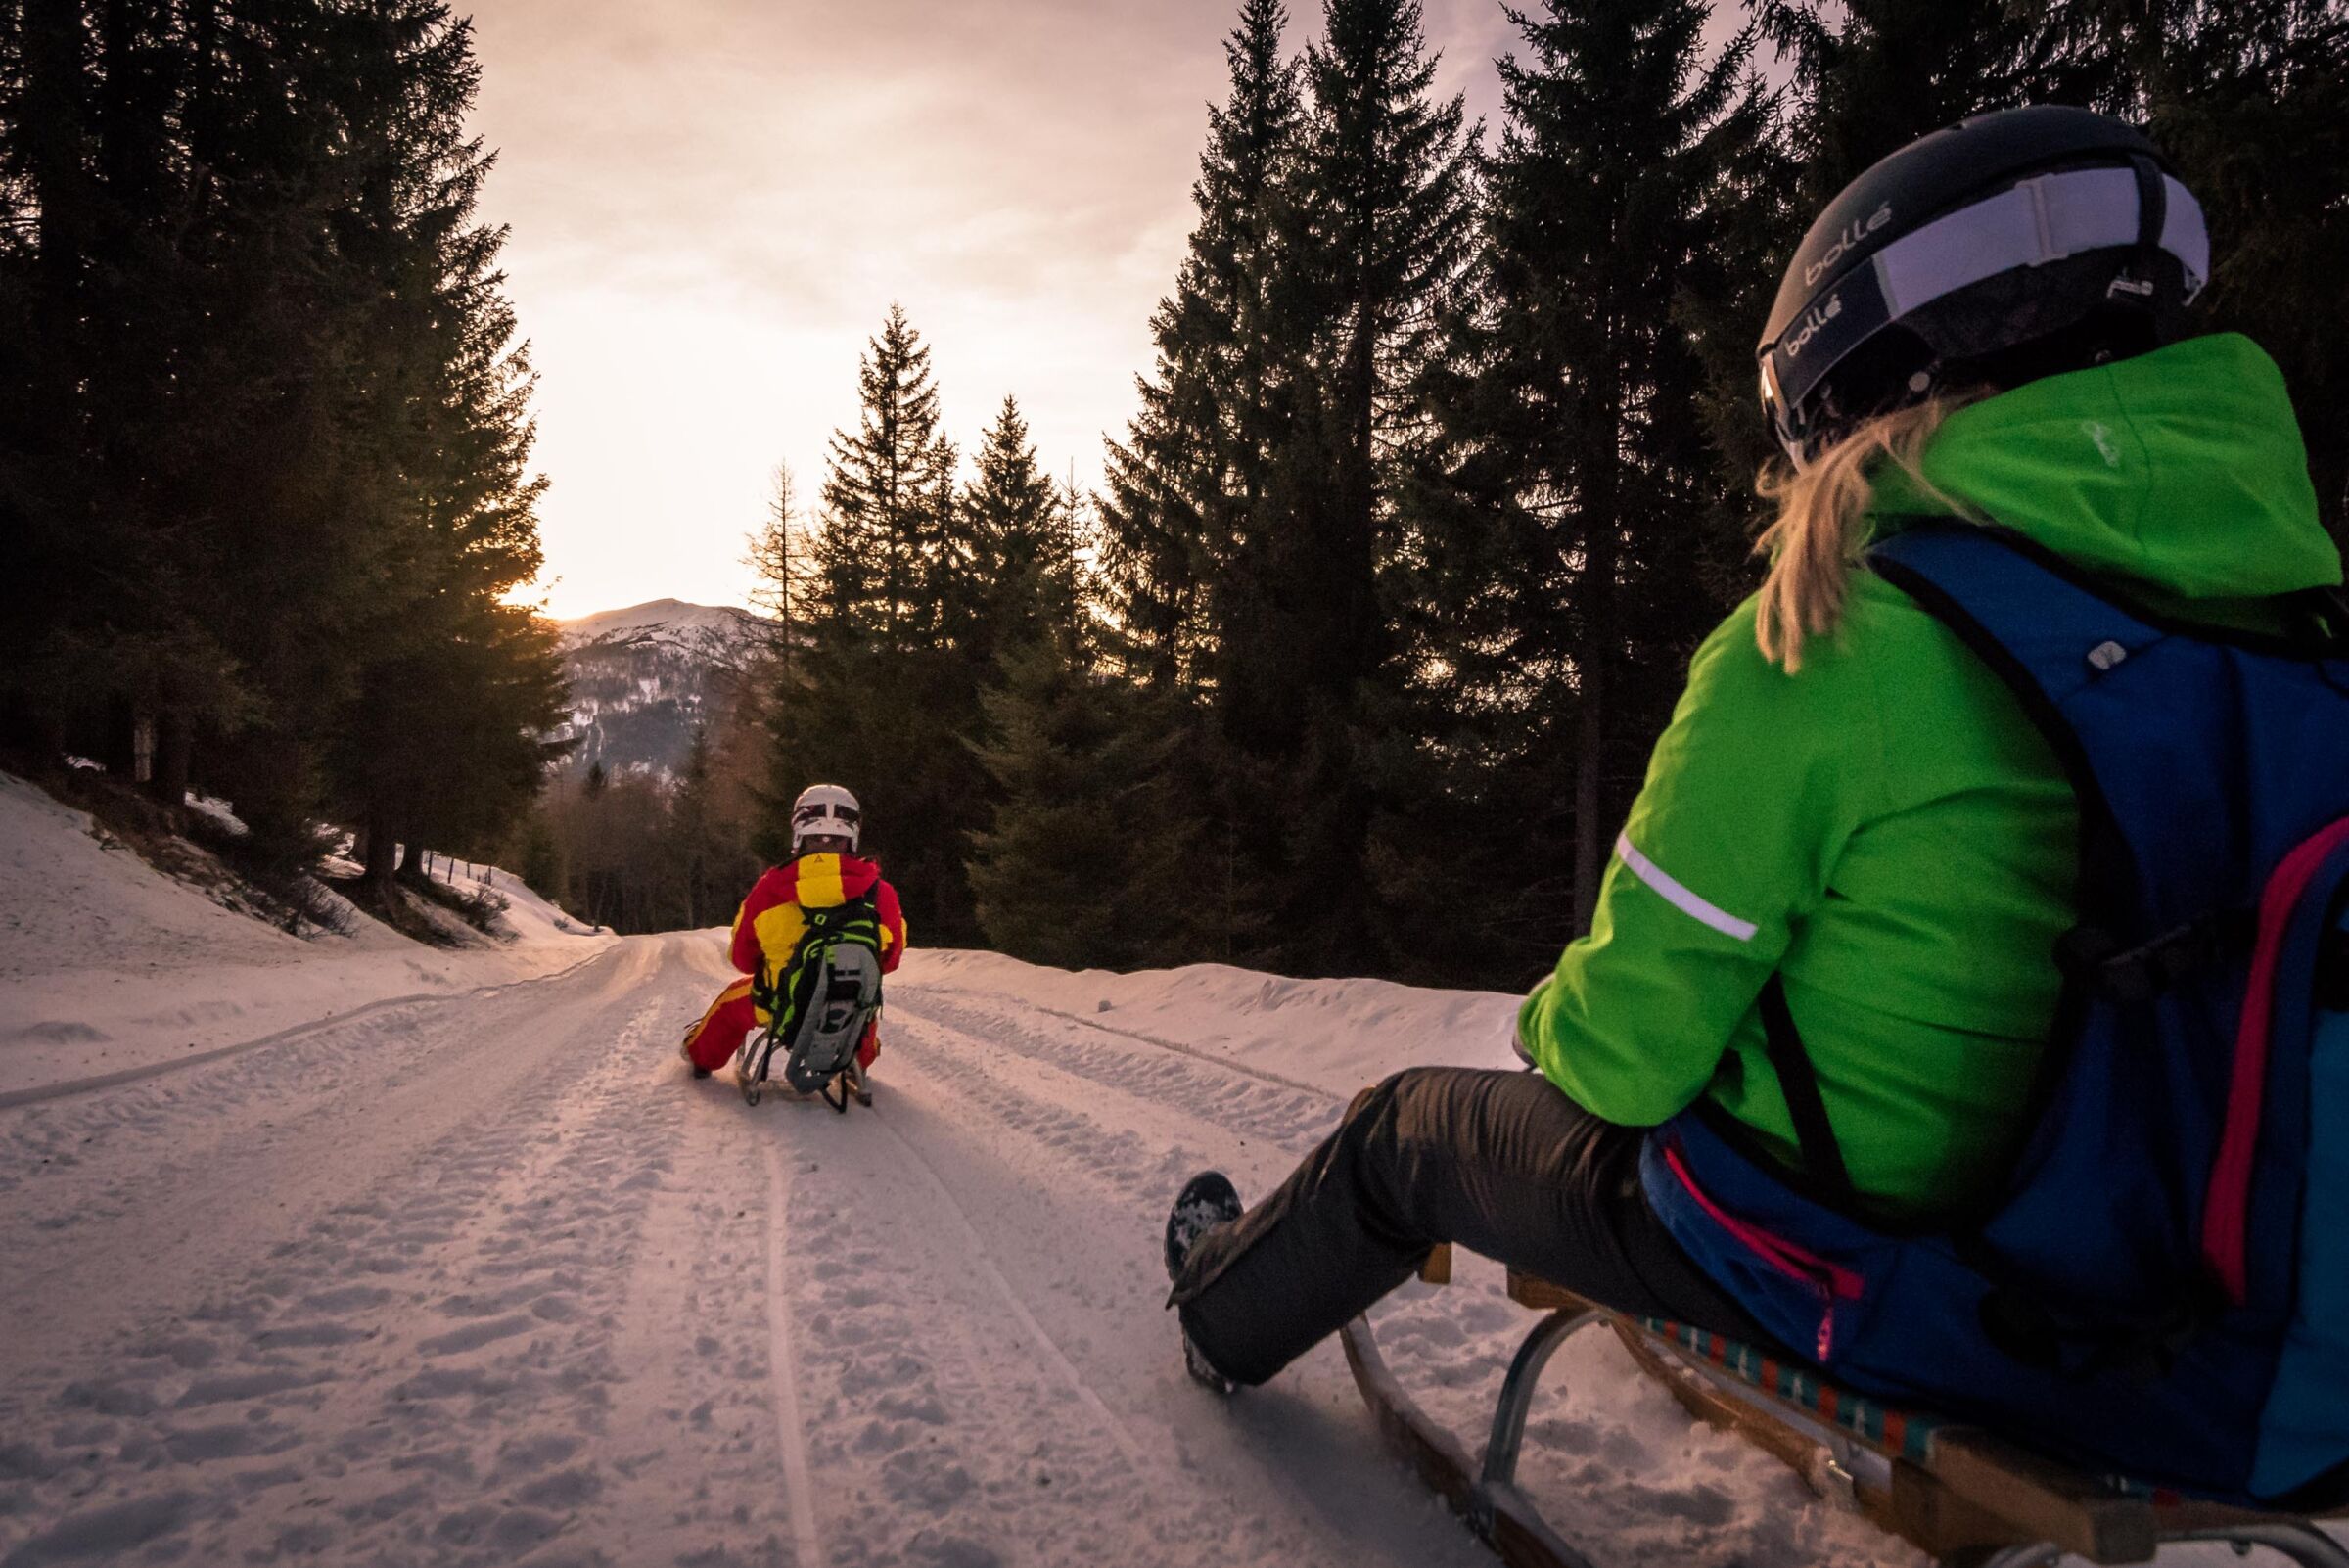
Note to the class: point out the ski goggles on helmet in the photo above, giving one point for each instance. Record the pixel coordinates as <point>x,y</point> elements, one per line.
<point>825,817</point>
<point>1909,272</point>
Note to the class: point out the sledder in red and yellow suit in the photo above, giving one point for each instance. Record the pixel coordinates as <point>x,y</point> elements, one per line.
<point>769,926</point>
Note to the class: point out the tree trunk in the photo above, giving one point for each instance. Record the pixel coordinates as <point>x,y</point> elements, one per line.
<point>174,757</point>
<point>1602,497</point>
<point>379,856</point>
<point>1591,745</point>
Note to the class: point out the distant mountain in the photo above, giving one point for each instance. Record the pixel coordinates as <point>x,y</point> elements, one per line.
<point>641,679</point>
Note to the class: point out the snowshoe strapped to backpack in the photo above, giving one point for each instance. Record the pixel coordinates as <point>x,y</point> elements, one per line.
<point>2161,1285</point>
<point>824,997</point>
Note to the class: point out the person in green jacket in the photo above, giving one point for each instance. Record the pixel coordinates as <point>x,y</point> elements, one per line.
<point>1849,811</point>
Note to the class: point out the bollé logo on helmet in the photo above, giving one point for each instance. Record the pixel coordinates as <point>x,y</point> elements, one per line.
<point>1850,234</point>
<point>1815,318</point>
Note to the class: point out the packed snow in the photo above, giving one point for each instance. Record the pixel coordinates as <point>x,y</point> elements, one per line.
<point>478,1275</point>
<point>109,967</point>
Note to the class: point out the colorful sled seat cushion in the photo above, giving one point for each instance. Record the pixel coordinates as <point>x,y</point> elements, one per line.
<point>1902,1434</point>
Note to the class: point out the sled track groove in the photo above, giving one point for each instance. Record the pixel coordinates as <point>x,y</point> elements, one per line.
<point>1208,1058</point>
<point>783,1371</point>
<point>949,1204</point>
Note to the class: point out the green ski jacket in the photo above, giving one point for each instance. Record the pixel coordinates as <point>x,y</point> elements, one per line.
<point>1885,829</point>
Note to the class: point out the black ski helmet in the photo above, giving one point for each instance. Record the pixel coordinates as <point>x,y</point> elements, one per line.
<point>2010,245</point>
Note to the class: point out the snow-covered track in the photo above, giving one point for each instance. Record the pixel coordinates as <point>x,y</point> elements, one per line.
<point>491,1280</point>
<point>176,1064</point>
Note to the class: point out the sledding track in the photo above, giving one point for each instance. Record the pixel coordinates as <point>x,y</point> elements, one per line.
<point>491,1281</point>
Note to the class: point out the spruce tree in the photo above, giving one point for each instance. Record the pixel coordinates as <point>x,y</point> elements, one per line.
<point>1022,540</point>
<point>1188,490</point>
<point>271,436</point>
<point>2250,99</point>
<point>879,690</point>
<point>1088,839</point>
<point>1381,224</point>
<point>881,546</point>
<point>446,415</point>
<point>1564,543</point>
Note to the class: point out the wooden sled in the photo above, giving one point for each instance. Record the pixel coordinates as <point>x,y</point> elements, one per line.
<point>1957,1493</point>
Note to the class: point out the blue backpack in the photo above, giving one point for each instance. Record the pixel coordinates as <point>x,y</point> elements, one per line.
<point>2159,1287</point>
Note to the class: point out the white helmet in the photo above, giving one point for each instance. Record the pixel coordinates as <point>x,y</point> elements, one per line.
<point>825,809</point>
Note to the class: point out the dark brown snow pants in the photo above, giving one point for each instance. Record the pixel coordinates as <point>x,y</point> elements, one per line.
<point>1501,1163</point>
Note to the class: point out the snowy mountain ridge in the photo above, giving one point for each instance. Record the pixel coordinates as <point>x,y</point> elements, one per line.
<point>644,677</point>
<point>671,620</point>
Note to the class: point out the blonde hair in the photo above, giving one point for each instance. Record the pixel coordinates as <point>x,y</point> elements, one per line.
<point>1821,525</point>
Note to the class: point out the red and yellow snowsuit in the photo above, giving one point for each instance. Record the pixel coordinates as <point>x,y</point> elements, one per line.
<point>769,926</point>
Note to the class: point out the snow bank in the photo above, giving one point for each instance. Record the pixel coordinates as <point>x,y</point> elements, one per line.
<point>109,966</point>
<point>1335,1036</point>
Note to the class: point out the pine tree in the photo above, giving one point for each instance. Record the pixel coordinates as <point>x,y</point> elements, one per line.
<point>273,432</point>
<point>779,556</point>
<point>1022,539</point>
<point>1873,76</point>
<point>1188,489</point>
<point>1564,545</point>
<point>2250,99</point>
<point>183,471</point>
<point>879,690</point>
<point>881,543</point>
<point>1088,858</point>
<point>1380,223</point>
<point>446,416</point>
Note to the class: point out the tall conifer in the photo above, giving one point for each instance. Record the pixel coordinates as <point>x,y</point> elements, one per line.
<point>1579,485</point>
<point>879,688</point>
<point>881,543</point>
<point>1020,534</point>
<point>1188,489</point>
<point>1379,226</point>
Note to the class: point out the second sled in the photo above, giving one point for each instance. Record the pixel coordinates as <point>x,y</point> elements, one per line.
<point>1958,1493</point>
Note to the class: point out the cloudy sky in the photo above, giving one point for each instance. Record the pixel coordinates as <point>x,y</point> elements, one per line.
<point>714,202</point>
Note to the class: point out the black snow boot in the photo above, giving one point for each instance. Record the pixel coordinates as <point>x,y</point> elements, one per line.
<point>685,1049</point>
<point>1207,1200</point>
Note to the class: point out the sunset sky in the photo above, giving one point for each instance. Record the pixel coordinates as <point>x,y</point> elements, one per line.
<point>713,203</point>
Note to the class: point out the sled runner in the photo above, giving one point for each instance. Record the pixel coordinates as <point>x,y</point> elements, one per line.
<point>1956,1492</point>
<point>752,1062</point>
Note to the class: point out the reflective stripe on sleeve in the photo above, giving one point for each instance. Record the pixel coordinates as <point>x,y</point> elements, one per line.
<point>1680,897</point>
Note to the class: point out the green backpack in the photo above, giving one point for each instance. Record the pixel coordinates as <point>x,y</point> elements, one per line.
<point>820,1000</point>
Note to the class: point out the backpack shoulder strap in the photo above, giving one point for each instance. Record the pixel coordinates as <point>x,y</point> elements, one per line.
<point>2047,634</point>
<point>1798,1082</point>
<point>2022,610</point>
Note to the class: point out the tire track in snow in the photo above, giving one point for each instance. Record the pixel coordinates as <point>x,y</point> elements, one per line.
<point>144,1180</point>
<point>419,1374</point>
<point>1614,1459</point>
<point>783,1373</point>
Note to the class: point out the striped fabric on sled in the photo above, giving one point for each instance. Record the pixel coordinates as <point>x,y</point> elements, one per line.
<point>1899,1433</point>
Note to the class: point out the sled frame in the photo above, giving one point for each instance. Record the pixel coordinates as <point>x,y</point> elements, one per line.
<point>1971,1501</point>
<point>759,1050</point>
